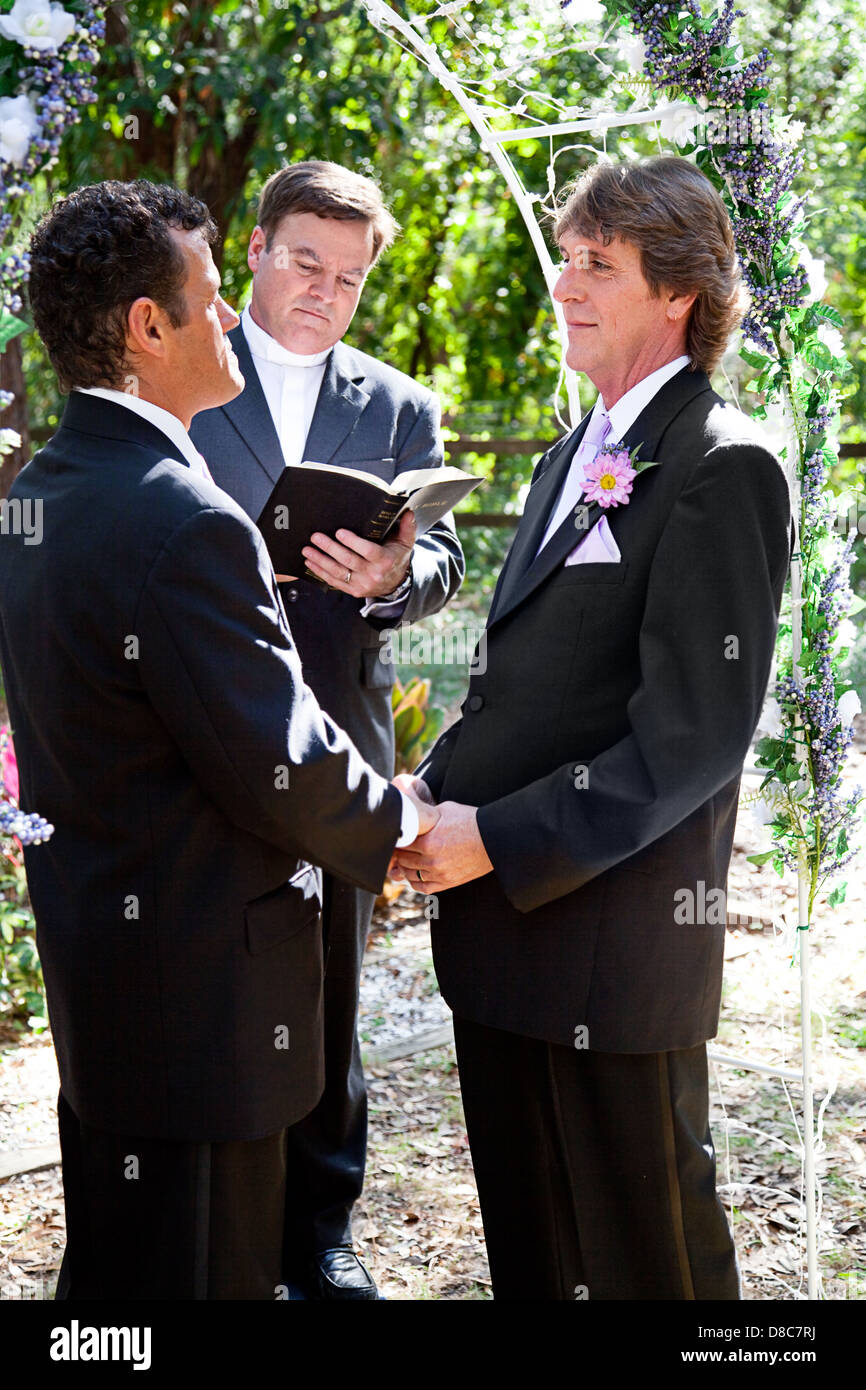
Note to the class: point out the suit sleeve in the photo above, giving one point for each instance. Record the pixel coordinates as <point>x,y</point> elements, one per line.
<point>218,662</point>
<point>438,566</point>
<point>706,646</point>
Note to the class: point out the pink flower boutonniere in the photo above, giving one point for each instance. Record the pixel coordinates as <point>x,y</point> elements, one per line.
<point>610,476</point>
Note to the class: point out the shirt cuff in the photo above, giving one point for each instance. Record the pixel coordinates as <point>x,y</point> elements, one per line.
<point>409,823</point>
<point>383,602</point>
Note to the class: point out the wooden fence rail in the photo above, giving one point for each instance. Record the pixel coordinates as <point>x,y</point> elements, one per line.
<point>500,448</point>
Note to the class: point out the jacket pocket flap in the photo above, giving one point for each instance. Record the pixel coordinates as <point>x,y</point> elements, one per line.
<point>279,915</point>
<point>592,572</point>
<point>376,674</point>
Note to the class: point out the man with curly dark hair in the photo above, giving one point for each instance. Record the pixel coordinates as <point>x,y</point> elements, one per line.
<point>163,725</point>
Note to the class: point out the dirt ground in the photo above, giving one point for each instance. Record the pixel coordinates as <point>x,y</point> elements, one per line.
<point>418,1224</point>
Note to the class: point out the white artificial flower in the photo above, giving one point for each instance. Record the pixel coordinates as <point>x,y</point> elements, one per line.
<point>679,124</point>
<point>584,12</point>
<point>832,338</point>
<point>631,50</point>
<point>761,815</point>
<point>815,272</point>
<point>776,428</point>
<point>9,440</point>
<point>37,24</point>
<point>849,706</point>
<point>790,131</point>
<point>19,126</point>
<point>770,723</point>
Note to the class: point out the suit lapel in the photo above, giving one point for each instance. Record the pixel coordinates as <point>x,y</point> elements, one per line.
<point>250,415</point>
<point>536,513</point>
<point>341,401</point>
<point>517,581</point>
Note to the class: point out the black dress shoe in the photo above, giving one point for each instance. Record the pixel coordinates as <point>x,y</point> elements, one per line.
<point>340,1274</point>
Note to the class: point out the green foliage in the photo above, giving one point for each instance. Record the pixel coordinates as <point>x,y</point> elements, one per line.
<point>21,987</point>
<point>416,724</point>
<point>217,97</point>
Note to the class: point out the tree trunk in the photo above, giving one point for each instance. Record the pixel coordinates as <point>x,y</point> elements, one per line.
<point>14,417</point>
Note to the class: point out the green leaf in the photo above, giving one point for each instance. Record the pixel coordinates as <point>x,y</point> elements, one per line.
<point>759,360</point>
<point>10,327</point>
<point>761,858</point>
<point>838,895</point>
<point>769,749</point>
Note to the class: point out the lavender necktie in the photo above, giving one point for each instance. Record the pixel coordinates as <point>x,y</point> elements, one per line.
<point>572,488</point>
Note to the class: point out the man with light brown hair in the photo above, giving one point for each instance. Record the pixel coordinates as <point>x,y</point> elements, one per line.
<point>589,793</point>
<point>311,397</point>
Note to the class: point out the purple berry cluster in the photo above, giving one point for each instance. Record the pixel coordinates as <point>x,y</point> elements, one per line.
<point>59,84</point>
<point>691,56</point>
<point>26,826</point>
<point>688,56</point>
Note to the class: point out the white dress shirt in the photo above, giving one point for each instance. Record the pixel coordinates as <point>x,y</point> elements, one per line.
<point>291,384</point>
<point>171,426</point>
<point>622,416</point>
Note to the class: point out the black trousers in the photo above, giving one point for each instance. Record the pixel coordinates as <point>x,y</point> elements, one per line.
<point>153,1219</point>
<point>595,1170</point>
<point>327,1149</point>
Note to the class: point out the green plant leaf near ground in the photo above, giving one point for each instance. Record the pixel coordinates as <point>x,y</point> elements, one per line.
<point>22,998</point>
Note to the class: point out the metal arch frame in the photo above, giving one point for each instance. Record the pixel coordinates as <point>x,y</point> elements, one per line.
<point>492,142</point>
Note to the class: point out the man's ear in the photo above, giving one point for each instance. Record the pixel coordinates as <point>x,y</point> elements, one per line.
<point>146,326</point>
<point>255,248</point>
<point>678,305</point>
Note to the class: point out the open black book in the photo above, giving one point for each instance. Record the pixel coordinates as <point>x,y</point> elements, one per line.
<point>323,497</point>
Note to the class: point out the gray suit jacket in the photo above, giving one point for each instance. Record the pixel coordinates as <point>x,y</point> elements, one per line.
<point>368,416</point>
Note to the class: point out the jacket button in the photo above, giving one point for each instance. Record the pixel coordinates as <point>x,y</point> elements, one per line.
<point>476,702</point>
<point>292,595</point>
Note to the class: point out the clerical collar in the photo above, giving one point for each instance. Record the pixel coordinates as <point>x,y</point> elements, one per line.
<point>261,344</point>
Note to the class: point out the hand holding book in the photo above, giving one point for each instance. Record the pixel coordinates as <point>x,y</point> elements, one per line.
<point>353,510</point>
<point>360,567</point>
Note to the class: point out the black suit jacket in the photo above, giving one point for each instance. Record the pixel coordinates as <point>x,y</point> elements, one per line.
<point>605,739</point>
<point>368,416</point>
<point>162,724</point>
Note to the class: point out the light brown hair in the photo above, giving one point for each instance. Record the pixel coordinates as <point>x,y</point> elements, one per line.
<point>328,190</point>
<point>670,211</point>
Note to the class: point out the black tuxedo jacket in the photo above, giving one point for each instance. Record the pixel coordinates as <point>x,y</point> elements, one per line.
<point>162,724</point>
<point>368,416</point>
<point>605,740</point>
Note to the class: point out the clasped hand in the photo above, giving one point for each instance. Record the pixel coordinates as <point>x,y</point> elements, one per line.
<point>448,851</point>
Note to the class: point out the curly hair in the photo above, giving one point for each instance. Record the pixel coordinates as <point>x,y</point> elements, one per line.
<point>92,256</point>
<point>670,211</point>
<point>328,190</point>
